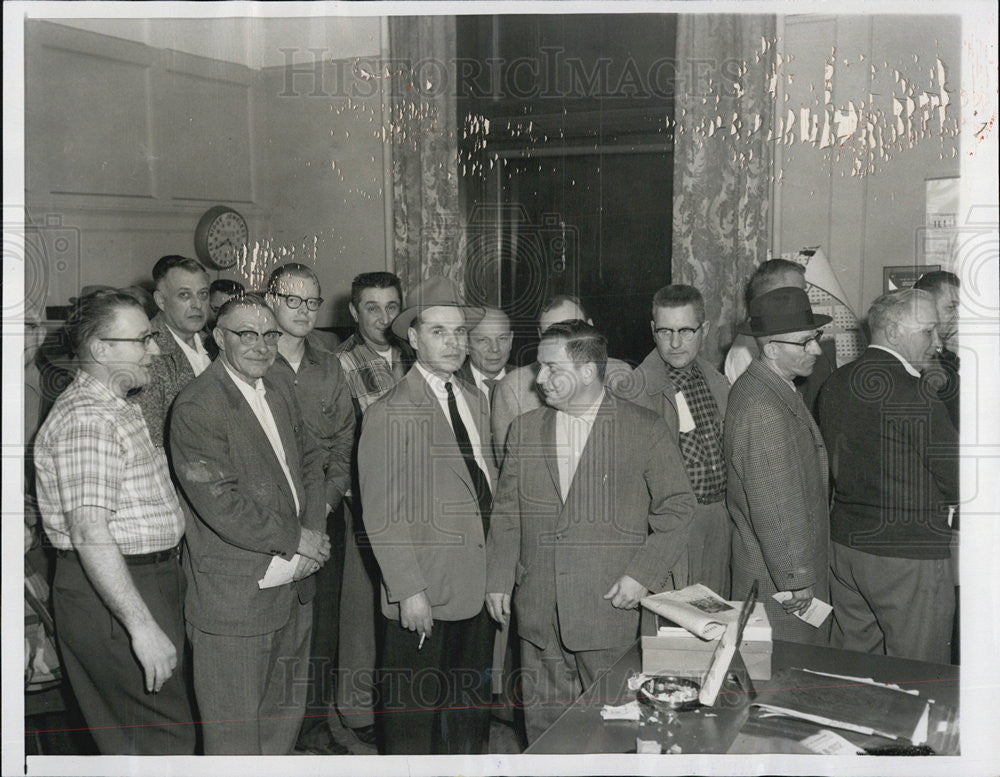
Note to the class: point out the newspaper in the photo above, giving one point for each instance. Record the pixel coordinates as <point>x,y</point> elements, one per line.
<point>697,608</point>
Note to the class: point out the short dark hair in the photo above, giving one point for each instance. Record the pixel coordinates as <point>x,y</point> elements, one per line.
<point>250,299</point>
<point>562,299</point>
<point>375,280</point>
<point>292,268</point>
<point>678,295</point>
<point>167,263</point>
<point>764,276</point>
<point>934,280</point>
<point>93,315</point>
<point>226,286</point>
<point>583,343</point>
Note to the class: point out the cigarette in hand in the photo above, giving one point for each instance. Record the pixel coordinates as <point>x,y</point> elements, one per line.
<point>422,638</point>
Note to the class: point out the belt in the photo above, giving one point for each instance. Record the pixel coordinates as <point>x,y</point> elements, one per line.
<point>135,560</point>
<point>711,500</point>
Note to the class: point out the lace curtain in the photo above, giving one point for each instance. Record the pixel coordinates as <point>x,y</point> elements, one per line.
<point>722,161</point>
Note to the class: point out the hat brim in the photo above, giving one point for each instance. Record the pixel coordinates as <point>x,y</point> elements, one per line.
<point>745,327</point>
<point>402,322</point>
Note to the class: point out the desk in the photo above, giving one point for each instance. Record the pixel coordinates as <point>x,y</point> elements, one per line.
<point>581,730</point>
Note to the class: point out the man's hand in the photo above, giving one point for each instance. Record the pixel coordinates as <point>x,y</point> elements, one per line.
<point>315,545</point>
<point>498,606</point>
<point>799,601</point>
<point>415,614</point>
<point>305,567</point>
<point>156,653</point>
<point>626,593</point>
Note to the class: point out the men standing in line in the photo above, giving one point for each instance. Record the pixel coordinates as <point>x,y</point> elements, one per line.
<point>894,455</point>
<point>182,296</point>
<point>253,478</point>
<point>590,516</point>
<point>426,486</point>
<point>943,371</point>
<point>776,482</point>
<point>110,510</point>
<point>328,414</point>
<point>372,364</point>
<point>518,392</point>
<point>690,395</point>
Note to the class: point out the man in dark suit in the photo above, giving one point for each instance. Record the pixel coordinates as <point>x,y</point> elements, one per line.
<point>690,395</point>
<point>591,515</point>
<point>894,456</point>
<point>776,479</point>
<point>253,478</point>
<point>182,296</point>
<point>426,485</point>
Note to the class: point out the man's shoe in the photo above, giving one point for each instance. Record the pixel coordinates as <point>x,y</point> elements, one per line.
<point>328,747</point>
<point>365,735</point>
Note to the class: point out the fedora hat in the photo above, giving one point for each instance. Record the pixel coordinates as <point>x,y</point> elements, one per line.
<point>435,291</point>
<point>781,311</point>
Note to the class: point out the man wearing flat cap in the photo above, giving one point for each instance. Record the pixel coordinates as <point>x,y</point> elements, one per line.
<point>776,488</point>
<point>427,480</point>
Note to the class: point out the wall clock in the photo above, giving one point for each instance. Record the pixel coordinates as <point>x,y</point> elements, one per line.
<point>221,237</point>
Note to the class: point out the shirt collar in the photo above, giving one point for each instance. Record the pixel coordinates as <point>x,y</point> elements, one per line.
<point>248,391</point>
<point>199,347</point>
<point>98,388</point>
<point>906,365</point>
<point>436,382</point>
<point>390,354</point>
<point>587,417</point>
<point>481,379</point>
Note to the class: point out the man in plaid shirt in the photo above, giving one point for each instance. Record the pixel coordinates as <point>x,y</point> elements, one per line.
<point>690,395</point>
<point>372,364</point>
<point>111,512</point>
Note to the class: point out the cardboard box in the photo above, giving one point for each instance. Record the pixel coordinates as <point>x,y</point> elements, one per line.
<point>669,649</point>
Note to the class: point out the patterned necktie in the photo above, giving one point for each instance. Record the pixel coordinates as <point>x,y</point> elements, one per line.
<point>465,445</point>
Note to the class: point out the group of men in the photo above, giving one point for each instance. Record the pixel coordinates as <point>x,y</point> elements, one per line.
<point>477,501</point>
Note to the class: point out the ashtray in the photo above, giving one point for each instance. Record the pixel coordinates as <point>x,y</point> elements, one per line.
<point>667,692</point>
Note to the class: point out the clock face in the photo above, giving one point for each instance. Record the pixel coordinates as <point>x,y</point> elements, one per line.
<point>222,237</point>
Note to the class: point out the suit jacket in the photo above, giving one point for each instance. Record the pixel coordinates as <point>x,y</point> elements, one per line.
<point>242,511</point>
<point>894,459</point>
<point>655,390</point>
<point>776,493</point>
<point>626,513</point>
<point>420,507</point>
<point>169,373</point>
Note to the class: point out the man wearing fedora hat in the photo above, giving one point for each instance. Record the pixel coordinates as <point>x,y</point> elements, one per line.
<point>427,480</point>
<point>777,467</point>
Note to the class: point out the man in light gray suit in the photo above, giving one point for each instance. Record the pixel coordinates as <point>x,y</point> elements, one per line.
<point>590,515</point>
<point>253,479</point>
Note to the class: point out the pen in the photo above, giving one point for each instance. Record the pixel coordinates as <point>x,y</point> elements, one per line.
<point>422,638</point>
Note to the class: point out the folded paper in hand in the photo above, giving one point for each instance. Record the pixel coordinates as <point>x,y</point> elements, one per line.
<point>279,572</point>
<point>814,614</point>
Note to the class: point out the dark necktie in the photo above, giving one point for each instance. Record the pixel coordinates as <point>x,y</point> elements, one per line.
<point>491,388</point>
<point>465,445</point>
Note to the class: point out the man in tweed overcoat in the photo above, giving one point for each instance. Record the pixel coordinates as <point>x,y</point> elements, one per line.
<point>777,468</point>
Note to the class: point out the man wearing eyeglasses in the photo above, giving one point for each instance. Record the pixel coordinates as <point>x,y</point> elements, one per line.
<point>776,479</point>
<point>690,394</point>
<point>182,296</point>
<point>254,480</point>
<point>111,512</point>
<point>328,414</point>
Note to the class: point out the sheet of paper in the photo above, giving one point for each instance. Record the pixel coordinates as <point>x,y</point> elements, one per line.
<point>815,613</point>
<point>684,418</point>
<point>628,711</point>
<point>829,743</point>
<point>279,572</point>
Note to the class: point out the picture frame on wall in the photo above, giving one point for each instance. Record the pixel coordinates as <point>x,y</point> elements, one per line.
<point>903,276</point>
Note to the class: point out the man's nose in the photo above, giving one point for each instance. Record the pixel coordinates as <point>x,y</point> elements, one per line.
<point>814,347</point>
<point>153,348</point>
<point>675,339</point>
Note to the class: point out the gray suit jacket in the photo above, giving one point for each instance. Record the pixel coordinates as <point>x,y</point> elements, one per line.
<point>626,513</point>
<point>777,496</point>
<point>654,389</point>
<point>241,510</point>
<point>420,507</point>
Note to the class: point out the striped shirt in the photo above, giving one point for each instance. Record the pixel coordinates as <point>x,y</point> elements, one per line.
<point>94,450</point>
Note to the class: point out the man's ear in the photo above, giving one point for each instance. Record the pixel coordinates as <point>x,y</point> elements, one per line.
<point>411,336</point>
<point>97,350</point>
<point>159,299</point>
<point>219,336</point>
<point>354,311</point>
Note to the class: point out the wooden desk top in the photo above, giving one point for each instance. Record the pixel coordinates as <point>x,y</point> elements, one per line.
<point>581,730</point>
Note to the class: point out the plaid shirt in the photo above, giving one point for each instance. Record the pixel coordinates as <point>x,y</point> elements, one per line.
<point>94,450</point>
<point>369,374</point>
<point>701,448</point>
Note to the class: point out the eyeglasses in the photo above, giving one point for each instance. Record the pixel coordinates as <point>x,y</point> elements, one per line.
<point>294,302</point>
<point>145,339</point>
<point>804,343</point>
<point>249,337</point>
<point>686,333</point>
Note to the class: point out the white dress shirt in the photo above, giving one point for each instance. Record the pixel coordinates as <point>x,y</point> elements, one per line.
<point>197,357</point>
<point>572,433</point>
<point>255,397</point>
<point>441,394</point>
